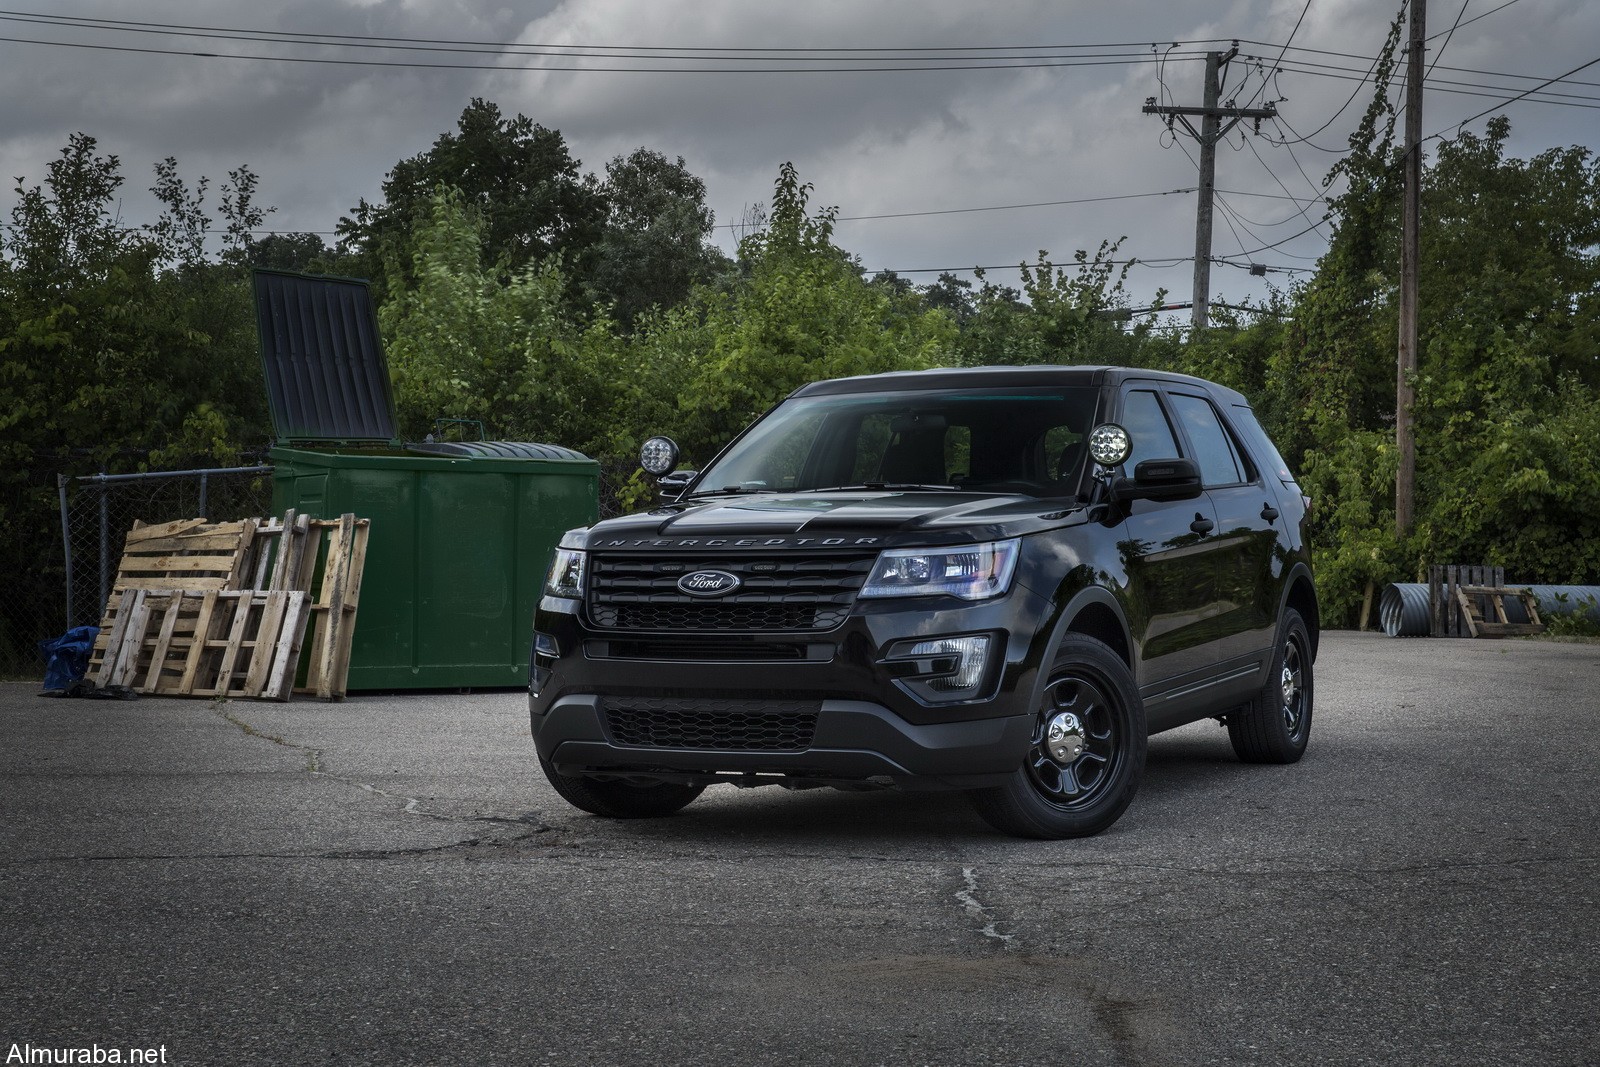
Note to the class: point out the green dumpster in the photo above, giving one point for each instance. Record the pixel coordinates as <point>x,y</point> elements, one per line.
<point>462,532</point>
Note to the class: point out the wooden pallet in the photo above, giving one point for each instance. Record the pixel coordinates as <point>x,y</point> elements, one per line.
<point>224,609</point>
<point>1473,598</point>
<point>1446,617</point>
<point>333,616</point>
<point>209,643</point>
<point>185,554</point>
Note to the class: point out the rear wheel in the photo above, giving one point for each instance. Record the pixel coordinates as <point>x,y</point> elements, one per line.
<point>620,799</point>
<point>1087,757</point>
<point>1275,727</point>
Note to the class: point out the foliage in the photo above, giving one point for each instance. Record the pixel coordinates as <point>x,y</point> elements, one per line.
<point>803,312</point>
<point>467,341</point>
<point>654,248</point>
<point>594,311</point>
<point>114,341</point>
<point>523,185</point>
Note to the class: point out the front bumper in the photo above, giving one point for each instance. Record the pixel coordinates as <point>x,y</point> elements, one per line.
<point>856,743</point>
<point>870,727</point>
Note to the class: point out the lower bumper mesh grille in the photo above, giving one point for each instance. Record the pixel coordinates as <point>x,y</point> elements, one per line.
<point>719,725</point>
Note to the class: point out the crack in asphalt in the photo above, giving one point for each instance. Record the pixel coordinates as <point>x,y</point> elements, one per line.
<point>328,854</point>
<point>980,911</point>
<point>413,805</point>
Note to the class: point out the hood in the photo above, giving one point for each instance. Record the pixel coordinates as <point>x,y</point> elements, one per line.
<point>833,519</point>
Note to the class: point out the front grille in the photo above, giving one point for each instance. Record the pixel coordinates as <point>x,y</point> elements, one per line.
<point>776,593</point>
<point>720,725</point>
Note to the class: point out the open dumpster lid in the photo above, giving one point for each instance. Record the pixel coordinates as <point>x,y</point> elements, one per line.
<point>327,378</point>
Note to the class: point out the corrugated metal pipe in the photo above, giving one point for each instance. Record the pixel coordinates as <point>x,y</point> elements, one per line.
<point>1403,607</point>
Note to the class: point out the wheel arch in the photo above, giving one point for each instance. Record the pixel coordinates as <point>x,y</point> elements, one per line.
<point>1093,612</point>
<point>1300,593</point>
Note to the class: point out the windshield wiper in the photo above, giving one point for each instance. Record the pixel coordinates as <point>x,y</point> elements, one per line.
<point>727,490</point>
<point>886,486</point>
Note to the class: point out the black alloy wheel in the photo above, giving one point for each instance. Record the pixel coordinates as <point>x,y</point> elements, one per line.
<point>1086,757</point>
<point>1275,727</point>
<point>1075,743</point>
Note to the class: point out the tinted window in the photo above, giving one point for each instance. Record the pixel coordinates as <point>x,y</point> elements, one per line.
<point>1214,451</point>
<point>1020,439</point>
<point>1261,444</point>
<point>1147,427</point>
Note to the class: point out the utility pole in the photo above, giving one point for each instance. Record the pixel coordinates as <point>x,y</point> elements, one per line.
<point>1411,213</point>
<point>1210,132</point>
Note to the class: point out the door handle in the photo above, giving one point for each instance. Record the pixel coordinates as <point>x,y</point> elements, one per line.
<point>1268,512</point>
<point>1201,524</point>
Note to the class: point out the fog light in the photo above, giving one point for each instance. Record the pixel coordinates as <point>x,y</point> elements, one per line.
<point>971,654</point>
<point>941,669</point>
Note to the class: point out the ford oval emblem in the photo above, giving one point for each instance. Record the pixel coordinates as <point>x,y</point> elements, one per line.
<point>709,583</point>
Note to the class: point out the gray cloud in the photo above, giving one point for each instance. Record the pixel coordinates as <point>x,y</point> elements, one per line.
<point>323,136</point>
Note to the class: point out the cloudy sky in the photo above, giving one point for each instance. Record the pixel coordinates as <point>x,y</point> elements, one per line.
<point>1047,111</point>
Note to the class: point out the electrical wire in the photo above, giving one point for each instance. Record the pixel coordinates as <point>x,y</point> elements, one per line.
<point>1010,207</point>
<point>1262,88</point>
<point>629,51</point>
<point>1459,125</point>
<point>1447,36</point>
<point>1473,19</point>
<point>398,64</point>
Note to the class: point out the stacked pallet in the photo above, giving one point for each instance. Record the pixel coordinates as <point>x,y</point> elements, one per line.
<point>225,610</point>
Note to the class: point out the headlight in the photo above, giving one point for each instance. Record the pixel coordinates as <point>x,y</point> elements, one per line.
<point>971,572</point>
<point>566,574</point>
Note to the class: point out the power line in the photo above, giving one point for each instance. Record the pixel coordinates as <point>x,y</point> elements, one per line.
<point>1473,19</point>
<point>1157,264</point>
<point>1458,126</point>
<point>1443,85</point>
<point>1447,36</point>
<point>1009,207</point>
<point>365,40</point>
<point>1131,58</point>
<point>1263,87</point>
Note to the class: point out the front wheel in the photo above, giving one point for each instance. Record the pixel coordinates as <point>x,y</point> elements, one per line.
<point>1087,757</point>
<point>620,799</point>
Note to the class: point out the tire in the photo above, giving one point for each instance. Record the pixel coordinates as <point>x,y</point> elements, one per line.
<point>1275,727</point>
<point>620,799</point>
<point>1083,783</point>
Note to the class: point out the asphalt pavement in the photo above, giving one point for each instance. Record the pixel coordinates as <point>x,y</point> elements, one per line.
<point>389,881</point>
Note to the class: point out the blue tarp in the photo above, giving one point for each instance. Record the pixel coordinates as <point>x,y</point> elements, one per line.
<point>67,656</point>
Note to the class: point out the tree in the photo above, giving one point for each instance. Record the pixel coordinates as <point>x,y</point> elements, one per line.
<point>803,313</point>
<point>516,175</point>
<point>469,341</point>
<point>655,246</point>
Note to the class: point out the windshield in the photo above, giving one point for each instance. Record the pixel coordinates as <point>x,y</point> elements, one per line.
<point>1021,440</point>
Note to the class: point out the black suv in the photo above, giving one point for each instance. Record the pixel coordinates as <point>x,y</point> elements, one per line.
<point>997,580</point>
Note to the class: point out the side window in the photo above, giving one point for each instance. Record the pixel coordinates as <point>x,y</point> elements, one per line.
<point>1148,428</point>
<point>1214,450</point>
<point>1245,421</point>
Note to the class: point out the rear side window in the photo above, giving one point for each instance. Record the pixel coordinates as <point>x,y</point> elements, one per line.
<point>1257,441</point>
<point>1214,451</point>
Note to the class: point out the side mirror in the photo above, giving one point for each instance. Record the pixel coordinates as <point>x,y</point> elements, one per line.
<point>1159,479</point>
<point>671,486</point>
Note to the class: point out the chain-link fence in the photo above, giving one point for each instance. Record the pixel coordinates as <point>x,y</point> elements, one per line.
<point>32,604</point>
<point>64,536</point>
<point>99,510</point>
